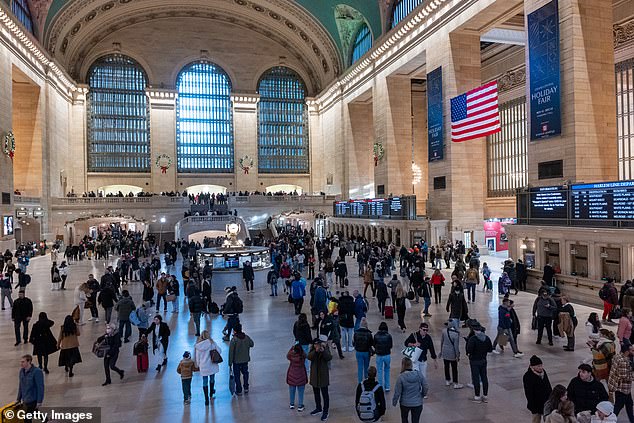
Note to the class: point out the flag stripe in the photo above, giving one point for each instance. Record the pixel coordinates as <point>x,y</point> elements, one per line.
<point>476,113</point>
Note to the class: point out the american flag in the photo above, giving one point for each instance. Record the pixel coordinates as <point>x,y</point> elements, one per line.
<point>475,114</point>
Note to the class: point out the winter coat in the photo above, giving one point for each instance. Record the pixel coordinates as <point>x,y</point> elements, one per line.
<point>22,308</point>
<point>504,318</point>
<point>586,395</point>
<point>383,343</point>
<point>360,307</point>
<point>163,335</point>
<point>450,344</point>
<point>555,417</point>
<point>114,343</point>
<point>302,333</point>
<point>425,343</point>
<point>410,389</point>
<point>186,368</point>
<point>625,328</point>
<point>106,298</point>
<point>202,357</point>
<point>346,311</point>
<point>239,349</point>
<point>43,340</point>
<point>381,291</point>
<point>335,330</point>
<point>319,300</point>
<point>124,307</point>
<point>319,372</point>
<point>363,340</point>
<point>457,306</point>
<point>544,307</point>
<point>537,390</point>
<point>296,373</point>
<point>196,304</point>
<point>80,296</point>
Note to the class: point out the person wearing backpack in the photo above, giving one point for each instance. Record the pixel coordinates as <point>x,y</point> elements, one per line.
<point>232,308</point>
<point>610,297</point>
<point>370,398</point>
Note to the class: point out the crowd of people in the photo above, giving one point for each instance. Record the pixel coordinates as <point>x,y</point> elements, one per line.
<point>336,321</point>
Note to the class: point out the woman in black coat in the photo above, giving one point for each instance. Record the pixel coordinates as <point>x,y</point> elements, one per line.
<point>160,339</point>
<point>43,340</point>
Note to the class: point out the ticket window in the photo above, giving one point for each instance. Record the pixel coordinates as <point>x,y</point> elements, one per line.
<point>528,252</point>
<point>579,260</point>
<point>611,263</point>
<point>551,255</point>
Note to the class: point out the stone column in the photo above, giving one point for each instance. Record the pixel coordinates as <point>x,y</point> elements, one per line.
<point>245,141</point>
<point>391,103</point>
<point>464,163</point>
<point>77,179</point>
<point>163,138</point>
<point>587,144</point>
<point>359,166</point>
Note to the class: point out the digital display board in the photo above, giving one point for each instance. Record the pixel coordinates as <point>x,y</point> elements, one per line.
<point>549,203</point>
<point>603,201</point>
<point>7,225</point>
<point>402,208</point>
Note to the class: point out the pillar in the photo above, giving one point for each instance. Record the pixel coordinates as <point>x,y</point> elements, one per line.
<point>77,180</point>
<point>245,139</point>
<point>163,139</point>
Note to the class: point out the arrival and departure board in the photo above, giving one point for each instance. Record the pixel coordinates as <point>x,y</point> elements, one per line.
<point>399,208</point>
<point>549,203</point>
<point>609,201</point>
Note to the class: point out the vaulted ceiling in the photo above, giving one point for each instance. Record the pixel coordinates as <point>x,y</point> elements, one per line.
<point>315,33</point>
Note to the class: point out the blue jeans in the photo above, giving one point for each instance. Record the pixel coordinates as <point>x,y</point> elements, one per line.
<point>471,291</point>
<point>357,322</point>
<point>347,334</point>
<point>128,329</point>
<point>244,369</point>
<point>187,388</point>
<point>383,370</point>
<point>206,380</point>
<point>300,394</point>
<point>306,362</point>
<point>427,304</point>
<point>274,288</point>
<point>479,374</point>
<point>363,362</point>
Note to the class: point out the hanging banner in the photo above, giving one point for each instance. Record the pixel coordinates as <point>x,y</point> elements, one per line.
<point>543,62</point>
<point>434,115</point>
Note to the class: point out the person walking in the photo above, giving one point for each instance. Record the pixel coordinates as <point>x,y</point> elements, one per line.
<point>370,398</point>
<point>207,366</point>
<point>472,278</point>
<point>107,299</point>
<point>21,314</point>
<point>360,308</point>
<point>450,353</point>
<point>568,323</point>
<point>456,304</point>
<point>401,306</point>
<point>113,341</point>
<point>248,275</point>
<point>620,380</point>
<point>610,297</point>
<point>160,339</point>
<point>543,308</point>
<point>345,309</point>
<point>410,389</point>
<point>63,273</point>
<point>196,307</point>
<point>239,357</point>
<point>186,369</point>
<point>382,294</point>
<point>296,377</point>
<point>505,328</point>
<point>79,295</point>
<point>319,357</point>
<point>298,292</point>
<point>6,289</point>
<point>68,344</point>
<point>537,388</point>
<point>161,292</point>
<point>55,277</point>
<point>437,281</point>
<point>124,307</point>
<point>383,346</point>
<point>478,346</point>
<point>422,340</point>
<point>363,344</point>
<point>30,385</point>
<point>43,340</point>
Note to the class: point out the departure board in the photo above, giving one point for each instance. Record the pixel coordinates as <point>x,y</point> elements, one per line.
<point>359,208</point>
<point>399,208</point>
<point>342,208</point>
<point>607,201</point>
<point>549,203</point>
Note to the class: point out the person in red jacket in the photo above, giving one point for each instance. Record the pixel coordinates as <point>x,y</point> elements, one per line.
<point>437,280</point>
<point>296,376</point>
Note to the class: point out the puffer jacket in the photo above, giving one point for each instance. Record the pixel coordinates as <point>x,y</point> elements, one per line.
<point>410,389</point>
<point>586,395</point>
<point>544,307</point>
<point>124,307</point>
<point>363,340</point>
<point>296,373</point>
<point>383,343</point>
<point>346,311</point>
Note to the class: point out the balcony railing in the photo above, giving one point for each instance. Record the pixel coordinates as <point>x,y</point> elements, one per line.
<point>142,201</point>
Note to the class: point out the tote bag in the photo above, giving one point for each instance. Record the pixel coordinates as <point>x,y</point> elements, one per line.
<point>413,353</point>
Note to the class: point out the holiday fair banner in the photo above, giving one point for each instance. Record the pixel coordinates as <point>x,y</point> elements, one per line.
<point>544,68</point>
<point>434,115</point>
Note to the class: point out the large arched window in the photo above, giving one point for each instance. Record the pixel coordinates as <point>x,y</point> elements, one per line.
<point>402,8</point>
<point>282,122</point>
<point>204,122</point>
<point>20,9</point>
<point>118,118</point>
<point>362,43</point>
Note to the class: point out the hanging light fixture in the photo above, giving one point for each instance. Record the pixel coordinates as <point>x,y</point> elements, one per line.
<point>417,174</point>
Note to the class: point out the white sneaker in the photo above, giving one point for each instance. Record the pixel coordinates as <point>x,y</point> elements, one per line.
<point>477,400</point>
<point>447,383</point>
<point>91,319</point>
<point>458,386</point>
<point>485,399</point>
<point>518,355</point>
<point>470,385</point>
<point>96,320</point>
<point>496,352</point>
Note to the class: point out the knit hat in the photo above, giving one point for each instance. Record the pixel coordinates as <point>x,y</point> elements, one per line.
<point>535,361</point>
<point>605,407</point>
<point>186,354</point>
<point>227,289</point>
<point>625,345</point>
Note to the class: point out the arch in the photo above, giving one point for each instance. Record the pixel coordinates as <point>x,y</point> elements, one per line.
<point>361,43</point>
<point>124,189</point>
<point>285,188</point>
<point>117,116</point>
<point>204,119</point>
<point>183,63</point>
<point>401,9</point>
<point>282,122</point>
<point>206,189</point>
<point>103,52</point>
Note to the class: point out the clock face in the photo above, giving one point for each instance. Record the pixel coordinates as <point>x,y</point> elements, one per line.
<point>233,228</point>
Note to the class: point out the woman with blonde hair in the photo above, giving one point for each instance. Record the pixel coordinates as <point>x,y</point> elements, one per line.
<point>204,361</point>
<point>410,389</point>
<point>400,306</point>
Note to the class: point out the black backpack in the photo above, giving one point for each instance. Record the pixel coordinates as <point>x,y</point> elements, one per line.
<point>239,307</point>
<point>604,293</point>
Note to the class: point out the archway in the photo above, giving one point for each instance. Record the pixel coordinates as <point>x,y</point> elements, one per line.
<point>116,189</point>
<point>206,189</point>
<point>285,188</point>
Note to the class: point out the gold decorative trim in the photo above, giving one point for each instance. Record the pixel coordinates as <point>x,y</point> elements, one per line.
<point>512,79</point>
<point>623,33</point>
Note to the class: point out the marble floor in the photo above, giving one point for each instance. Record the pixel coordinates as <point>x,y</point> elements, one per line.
<point>157,397</point>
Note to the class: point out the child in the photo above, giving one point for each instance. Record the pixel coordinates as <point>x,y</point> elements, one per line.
<point>140,351</point>
<point>186,368</point>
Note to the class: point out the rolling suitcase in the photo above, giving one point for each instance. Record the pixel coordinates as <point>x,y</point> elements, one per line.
<point>388,310</point>
<point>142,362</point>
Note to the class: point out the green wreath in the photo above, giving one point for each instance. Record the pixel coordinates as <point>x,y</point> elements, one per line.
<point>9,144</point>
<point>246,163</point>
<point>378,152</point>
<point>164,162</point>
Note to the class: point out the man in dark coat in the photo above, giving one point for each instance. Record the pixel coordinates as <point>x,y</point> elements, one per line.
<point>536,388</point>
<point>319,356</point>
<point>248,275</point>
<point>21,313</point>
<point>522,276</point>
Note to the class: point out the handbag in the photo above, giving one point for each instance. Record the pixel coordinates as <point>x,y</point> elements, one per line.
<point>216,358</point>
<point>100,349</point>
<point>413,353</point>
<point>534,323</point>
<point>410,294</point>
<point>503,339</point>
<point>75,314</point>
<point>170,298</point>
<point>232,383</point>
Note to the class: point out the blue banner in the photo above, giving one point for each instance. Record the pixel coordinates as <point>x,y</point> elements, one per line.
<point>543,62</point>
<point>434,115</point>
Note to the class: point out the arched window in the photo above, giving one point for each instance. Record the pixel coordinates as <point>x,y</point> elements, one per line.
<point>401,9</point>
<point>362,43</point>
<point>20,9</point>
<point>282,122</point>
<point>118,118</point>
<point>204,120</point>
